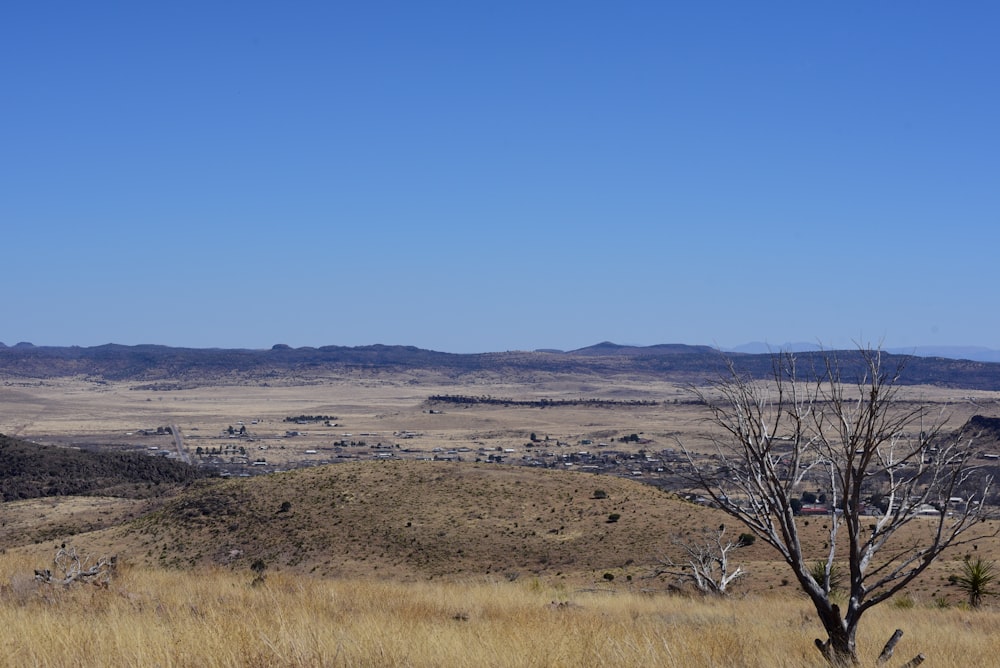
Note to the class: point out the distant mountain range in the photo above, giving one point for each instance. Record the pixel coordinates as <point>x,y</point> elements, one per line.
<point>973,353</point>
<point>163,367</point>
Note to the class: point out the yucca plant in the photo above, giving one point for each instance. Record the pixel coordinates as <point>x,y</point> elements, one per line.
<point>976,578</point>
<point>818,571</point>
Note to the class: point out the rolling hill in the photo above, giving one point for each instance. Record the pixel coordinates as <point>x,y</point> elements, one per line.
<point>404,520</point>
<point>413,519</point>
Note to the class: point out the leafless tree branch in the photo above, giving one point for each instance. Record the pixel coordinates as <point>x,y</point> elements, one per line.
<point>860,439</point>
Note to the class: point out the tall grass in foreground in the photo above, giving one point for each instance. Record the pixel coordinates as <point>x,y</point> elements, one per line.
<point>170,618</point>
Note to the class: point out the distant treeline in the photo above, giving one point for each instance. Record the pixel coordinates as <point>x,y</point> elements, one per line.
<point>536,403</point>
<point>311,418</point>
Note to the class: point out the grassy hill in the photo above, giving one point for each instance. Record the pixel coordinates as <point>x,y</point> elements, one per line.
<point>404,520</point>
<point>415,519</point>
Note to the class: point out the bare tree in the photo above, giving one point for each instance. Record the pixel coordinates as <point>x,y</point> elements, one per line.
<point>862,440</point>
<point>705,564</point>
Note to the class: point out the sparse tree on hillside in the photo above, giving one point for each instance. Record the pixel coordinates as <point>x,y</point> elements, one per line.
<point>705,564</point>
<point>859,438</point>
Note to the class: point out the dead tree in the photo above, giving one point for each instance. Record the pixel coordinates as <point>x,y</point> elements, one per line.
<point>705,564</point>
<point>861,439</point>
<point>71,568</point>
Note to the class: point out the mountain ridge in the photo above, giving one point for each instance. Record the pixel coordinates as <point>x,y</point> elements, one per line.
<point>165,366</point>
<point>971,353</point>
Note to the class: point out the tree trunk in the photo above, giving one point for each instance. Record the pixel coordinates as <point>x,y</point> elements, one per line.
<point>840,649</point>
<point>837,653</point>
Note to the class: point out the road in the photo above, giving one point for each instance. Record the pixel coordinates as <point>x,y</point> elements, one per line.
<point>182,452</point>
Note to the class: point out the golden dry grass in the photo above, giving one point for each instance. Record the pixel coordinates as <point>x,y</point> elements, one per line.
<point>217,618</point>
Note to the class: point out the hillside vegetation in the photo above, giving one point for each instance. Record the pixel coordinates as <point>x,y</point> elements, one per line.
<point>30,470</point>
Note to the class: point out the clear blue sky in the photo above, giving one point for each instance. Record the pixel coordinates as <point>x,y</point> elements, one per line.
<point>484,176</point>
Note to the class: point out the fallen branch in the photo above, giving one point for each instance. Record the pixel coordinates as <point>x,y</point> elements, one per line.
<point>70,568</point>
<point>889,647</point>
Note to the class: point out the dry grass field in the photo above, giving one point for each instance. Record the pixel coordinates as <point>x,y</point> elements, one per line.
<point>410,561</point>
<point>218,618</point>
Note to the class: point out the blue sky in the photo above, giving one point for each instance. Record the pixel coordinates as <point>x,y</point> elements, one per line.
<point>483,176</point>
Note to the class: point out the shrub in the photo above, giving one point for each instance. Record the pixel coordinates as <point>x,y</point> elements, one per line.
<point>258,567</point>
<point>976,578</point>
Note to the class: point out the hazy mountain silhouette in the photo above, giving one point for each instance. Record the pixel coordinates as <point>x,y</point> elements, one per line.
<point>163,367</point>
<point>973,353</point>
